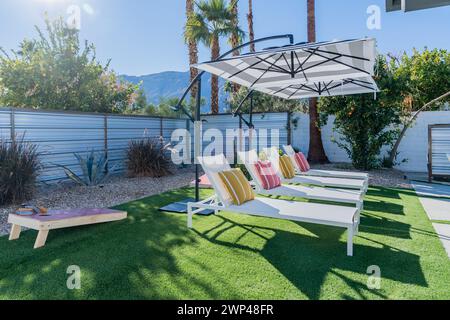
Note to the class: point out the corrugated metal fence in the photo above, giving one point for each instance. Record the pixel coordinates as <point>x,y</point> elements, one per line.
<point>61,134</point>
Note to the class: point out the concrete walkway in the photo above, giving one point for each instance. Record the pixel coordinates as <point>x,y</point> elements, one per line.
<point>437,208</point>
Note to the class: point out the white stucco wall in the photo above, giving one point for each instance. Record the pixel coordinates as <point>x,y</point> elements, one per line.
<point>414,146</point>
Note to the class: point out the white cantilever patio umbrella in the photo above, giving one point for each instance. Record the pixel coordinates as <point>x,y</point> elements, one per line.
<point>291,72</point>
<point>303,70</point>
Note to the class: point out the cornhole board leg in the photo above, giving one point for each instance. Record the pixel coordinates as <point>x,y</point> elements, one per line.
<point>41,239</point>
<point>15,232</point>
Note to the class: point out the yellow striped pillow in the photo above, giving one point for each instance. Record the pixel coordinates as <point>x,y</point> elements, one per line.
<point>287,168</point>
<point>237,186</point>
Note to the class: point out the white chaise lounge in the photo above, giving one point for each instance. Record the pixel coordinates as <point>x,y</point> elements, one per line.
<point>354,197</point>
<point>274,157</point>
<point>338,216</point>
<point>324,173</point>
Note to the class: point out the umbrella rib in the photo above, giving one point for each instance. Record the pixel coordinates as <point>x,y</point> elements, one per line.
<point>343,55</point>
<point>282,89</point>
<point>321,63</point>
<point>273,65</point>
<point>306,60</point>
<point>362,81</point>
<point>326,87</point>
<point>251,66</point>
<point>296,91</point>
<point>287,63</point>
<point>260,77</point>
<point>340,62</point>
<point>358,84</point>
<point>300,67</point>
<point>341,84</point>
<point>271,70</point>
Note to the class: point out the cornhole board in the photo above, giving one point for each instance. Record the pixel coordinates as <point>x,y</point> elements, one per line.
<point>59,219</point>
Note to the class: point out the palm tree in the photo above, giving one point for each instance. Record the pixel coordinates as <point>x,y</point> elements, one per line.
<point>193,50</point>
<point>212,20</point>
<point>251,31</point>
<point>316,150</point>
<point>235,38</point>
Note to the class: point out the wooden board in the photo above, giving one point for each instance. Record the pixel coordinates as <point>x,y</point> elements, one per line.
<point>58,219</point>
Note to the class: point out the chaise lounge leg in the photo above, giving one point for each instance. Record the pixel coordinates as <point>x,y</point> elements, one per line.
<point>350,241</point>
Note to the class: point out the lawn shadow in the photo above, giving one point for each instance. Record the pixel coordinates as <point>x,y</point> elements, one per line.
<point>129,254</point>
<point>307,260</point>
<point>390,193</point>
<point>385,207</point>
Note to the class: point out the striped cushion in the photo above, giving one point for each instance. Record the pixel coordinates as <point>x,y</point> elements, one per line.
<point>305,167</point>
<point>237,186</point>
<point>287,168</point>
<point>301,162</point>
<point>267,175</point>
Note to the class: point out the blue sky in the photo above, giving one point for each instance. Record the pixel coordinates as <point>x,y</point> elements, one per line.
<point>145,36</point>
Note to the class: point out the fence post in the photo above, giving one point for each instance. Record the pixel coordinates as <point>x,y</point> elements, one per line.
<point>161,130</point>
<point>105,139</point>
<point>12,121</point>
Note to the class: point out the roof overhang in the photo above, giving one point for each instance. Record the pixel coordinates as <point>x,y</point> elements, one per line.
<point>414,5</point>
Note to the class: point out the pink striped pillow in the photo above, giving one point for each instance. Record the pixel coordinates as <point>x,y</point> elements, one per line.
<point>267,175</point>
<point>302,162</point>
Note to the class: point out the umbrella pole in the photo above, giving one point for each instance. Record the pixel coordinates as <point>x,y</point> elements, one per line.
<point>197,138</point>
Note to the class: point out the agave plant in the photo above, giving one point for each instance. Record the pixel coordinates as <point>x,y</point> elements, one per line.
<point>94,167</point>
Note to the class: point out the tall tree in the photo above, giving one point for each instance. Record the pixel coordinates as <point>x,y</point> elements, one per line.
<point>193,50</point>
<point>212,20</point>
<point>316,150</point>
<point>235,38</point>
<point>251,31</point>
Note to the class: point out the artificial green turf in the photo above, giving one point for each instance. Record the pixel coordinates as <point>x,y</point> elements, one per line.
<point>153,255</point>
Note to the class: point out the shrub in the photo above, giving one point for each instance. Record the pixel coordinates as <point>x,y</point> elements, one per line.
<point>366,125</point>
<point>148,158</point>
<point>94,167</point>
<point>19,168</point>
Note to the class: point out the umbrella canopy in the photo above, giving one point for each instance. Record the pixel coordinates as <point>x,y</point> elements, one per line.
<point>294,71</point>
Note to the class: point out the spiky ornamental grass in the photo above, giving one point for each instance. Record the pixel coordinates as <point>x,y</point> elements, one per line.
<point>19,168</point>
<point>148,158</point>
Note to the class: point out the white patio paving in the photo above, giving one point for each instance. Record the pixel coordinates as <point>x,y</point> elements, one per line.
<point>437,208</point>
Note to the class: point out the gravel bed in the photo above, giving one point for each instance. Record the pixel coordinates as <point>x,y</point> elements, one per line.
<point>389,178</point>
<point>120,190</point>
<point>117,190</point>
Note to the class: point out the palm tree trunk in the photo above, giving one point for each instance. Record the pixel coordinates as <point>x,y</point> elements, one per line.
<point>316,150</point>
<point>193,51</point>
<point>234,39</point>
<point>215,53</point>
<point>251,31</point>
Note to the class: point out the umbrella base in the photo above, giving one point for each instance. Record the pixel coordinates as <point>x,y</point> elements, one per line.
<point>181,207</point>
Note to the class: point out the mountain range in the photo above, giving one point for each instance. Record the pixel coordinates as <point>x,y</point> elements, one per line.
<point>172,84</point>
